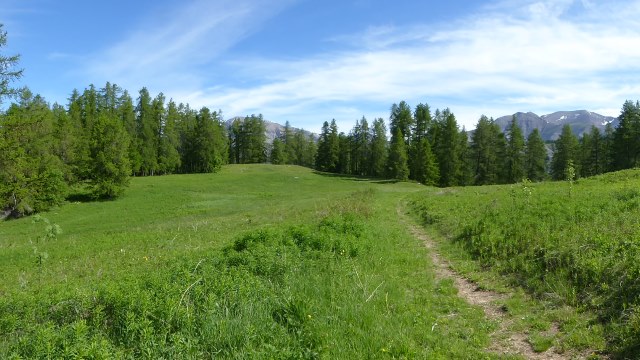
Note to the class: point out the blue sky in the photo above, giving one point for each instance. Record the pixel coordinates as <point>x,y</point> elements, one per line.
<point>307,61</point>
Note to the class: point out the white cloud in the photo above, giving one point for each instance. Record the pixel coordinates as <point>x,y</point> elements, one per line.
<point>172,49</point>
<point>539,56</point>
<point>493,63</point>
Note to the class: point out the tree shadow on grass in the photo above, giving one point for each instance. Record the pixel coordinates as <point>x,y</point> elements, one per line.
<point>357,178</point>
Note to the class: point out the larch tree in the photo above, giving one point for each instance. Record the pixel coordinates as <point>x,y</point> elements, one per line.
<point>378,157</point>
<point>397,167</point>
<point>514,161</point>
<point>447,148</point>
<point>418,159</point>
<point>110,167</point>
<point>565,155</point>
<point>147,130</point>
<point>626,150</point>
<point>278,154</point>
<point>168,155</point>
<point>535,156</point>
<point>31,175</point>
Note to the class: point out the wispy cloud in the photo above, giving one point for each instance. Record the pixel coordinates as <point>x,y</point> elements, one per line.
<point>539,56</point>
<point>173,49</point>
<point>512,56</point>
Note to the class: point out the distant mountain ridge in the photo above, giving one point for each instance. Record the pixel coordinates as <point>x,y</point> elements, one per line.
<point>272,130</point>
<point>550,125</point>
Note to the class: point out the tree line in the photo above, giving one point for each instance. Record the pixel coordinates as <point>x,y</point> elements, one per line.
<point>432,149</point>
<point>102,137</point>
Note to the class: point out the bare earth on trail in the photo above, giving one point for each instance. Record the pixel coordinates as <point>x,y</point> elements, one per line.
<point>504,341</point>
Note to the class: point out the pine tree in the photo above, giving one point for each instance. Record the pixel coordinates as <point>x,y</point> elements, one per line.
<point>344,154</point>
<point>484,152</point>
<point>127,113</point>
<point>626,149</point>
<point>447,148</point>
<point>322,157</point>
<point>110,167</point>
<point>206,155</point>
<point>31,176</point>
<point>278,154</point>
<point>422,124</point>
<point>465,174</point>
<point>397,167</point>
<point>535,157</point>
<point>168,155</point>
<point>65,142</point>
<point>7,72</point>
<point>566,154</point>
<point>378,158</point>
<point>147,130</point>
<point>401,118</point>
<point>514,166</point>
<point>288,139</point>
<point>425,165</point>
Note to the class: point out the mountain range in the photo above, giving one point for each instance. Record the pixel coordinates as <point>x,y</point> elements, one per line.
<point>272,130</point>
<point>550,125</point>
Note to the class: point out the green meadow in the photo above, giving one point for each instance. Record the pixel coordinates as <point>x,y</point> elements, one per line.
<point>281,262</point>
<point>256,261</point>
<point>567,244</point>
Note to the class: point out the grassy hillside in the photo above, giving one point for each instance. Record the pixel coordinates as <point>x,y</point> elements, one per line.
<point>567,243</point>
<point>254,262</point>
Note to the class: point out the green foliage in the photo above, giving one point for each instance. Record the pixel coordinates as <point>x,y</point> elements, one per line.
<point>626,149</point>
<point>328,153</point>
<point>7,72</point>
<point>397,167</point>
<point>566,151</point>
<point>574,243</point>
<point>535,157</point>
<point>31,176</point>
<point>514,154</point>
<point>110,167</point>
<point>284,263</point>
<point>247,141</point>
<point>278,152</point>
<point>486,147</point>
<point>379,152</point>
<point>448,148</point>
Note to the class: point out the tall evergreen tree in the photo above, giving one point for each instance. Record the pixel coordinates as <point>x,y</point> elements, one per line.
<point>565,155</point>
<point>535,157</point>
<point>147,129</point>
<point>402,119</point>
<point>66,142</point>
<point>626,150</point>
<point>344,154</point>
<point>378,158</point>
<point>31,176</point>
<point>397,167</point>
<point>8,73</point>
<point>425,165</point>
<point>447,143</point>
<point>484,152</point>
<point>110,167</point>
<point>514,164</point>
<point>278,154</point>
<point>323,161</point>
<point>422,123</point>
<point>207,157</point>
<point>127,113</point>
<point>168,155</point>
<point>465,174</point>
<point>288,139</point>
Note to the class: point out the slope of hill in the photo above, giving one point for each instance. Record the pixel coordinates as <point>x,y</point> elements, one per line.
<point>550,125</point>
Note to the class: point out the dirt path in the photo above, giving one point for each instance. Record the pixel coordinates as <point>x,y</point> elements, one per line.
<point>504,341</point>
